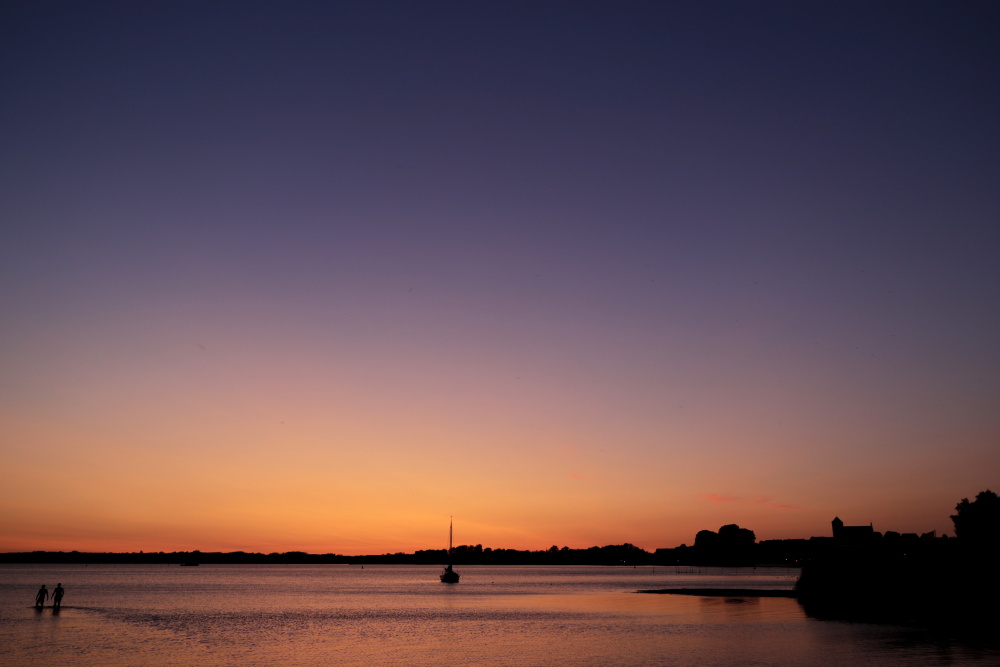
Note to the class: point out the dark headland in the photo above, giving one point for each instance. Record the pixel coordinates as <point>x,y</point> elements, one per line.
<point>859,574</point>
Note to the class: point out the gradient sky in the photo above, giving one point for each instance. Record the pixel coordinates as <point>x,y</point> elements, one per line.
<point>318,275</point>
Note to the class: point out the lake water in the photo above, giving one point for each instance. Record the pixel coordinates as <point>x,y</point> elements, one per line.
<point>402,615</point>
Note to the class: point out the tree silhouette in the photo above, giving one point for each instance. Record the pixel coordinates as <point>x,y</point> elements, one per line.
<point>706,539</point>
<point>733,537</point>
<point>977,524</point>
<point>732,545</point>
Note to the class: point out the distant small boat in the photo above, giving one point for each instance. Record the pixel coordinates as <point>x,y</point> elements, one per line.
<point>190,564</point>
<point>449,576</point>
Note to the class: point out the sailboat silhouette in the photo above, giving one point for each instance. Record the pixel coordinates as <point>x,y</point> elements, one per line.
<point>449,576</point>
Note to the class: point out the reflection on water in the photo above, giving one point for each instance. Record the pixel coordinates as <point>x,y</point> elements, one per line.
<point>320,615</point>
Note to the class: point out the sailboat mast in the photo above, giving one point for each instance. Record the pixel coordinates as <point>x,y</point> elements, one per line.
<point>449,576</point>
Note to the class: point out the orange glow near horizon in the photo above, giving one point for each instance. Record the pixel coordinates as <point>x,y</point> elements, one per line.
<point>278,487</point>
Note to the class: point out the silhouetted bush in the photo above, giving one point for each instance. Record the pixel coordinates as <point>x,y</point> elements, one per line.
<point>977,524</point>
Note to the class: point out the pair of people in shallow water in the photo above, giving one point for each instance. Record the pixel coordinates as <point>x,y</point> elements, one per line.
<point>43,595</point>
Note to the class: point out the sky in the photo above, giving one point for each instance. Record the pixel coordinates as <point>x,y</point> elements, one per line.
<point>319,276</point>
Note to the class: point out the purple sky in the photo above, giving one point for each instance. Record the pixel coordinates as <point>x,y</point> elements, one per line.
<point>573,272</point>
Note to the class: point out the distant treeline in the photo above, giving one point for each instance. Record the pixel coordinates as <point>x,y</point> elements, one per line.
<point>466,554</point>
<point>706,551</point>
<point>710,549</point>
<point>977,527</point>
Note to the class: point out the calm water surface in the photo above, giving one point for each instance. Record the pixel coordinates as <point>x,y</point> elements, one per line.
<point>402,615</point>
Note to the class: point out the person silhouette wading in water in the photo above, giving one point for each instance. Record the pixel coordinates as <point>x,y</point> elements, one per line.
<point>41,597</point>
<point>57,596</point>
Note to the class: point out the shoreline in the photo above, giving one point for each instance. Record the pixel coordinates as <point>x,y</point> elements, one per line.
<point>725,592</point>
